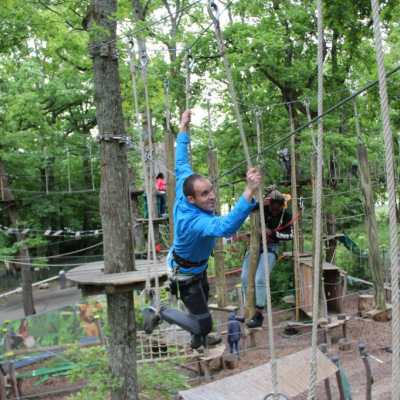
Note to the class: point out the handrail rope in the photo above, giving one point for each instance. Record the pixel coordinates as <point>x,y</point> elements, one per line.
<point>318,209</point>
<point>213,12</point>
<point>391,188</point>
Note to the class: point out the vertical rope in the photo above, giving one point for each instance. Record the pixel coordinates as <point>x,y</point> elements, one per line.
<point>213,12</point>
<point>295,211</point>
<point>144,64</point>
<point>141,144</point>
<point>318,211</point>
<point>391,187</point>
<point>188,66</point>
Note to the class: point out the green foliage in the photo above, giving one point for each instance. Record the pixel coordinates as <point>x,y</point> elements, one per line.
<point>160,380</point>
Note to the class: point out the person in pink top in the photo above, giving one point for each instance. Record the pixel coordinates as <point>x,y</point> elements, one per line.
<point>161,187</point>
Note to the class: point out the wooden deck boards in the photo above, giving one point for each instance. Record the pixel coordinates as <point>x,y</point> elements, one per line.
<point>93,274</point>
<point>255,383</point>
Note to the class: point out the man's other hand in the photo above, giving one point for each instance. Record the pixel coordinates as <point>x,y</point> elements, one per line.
<point>185,120</point>
<point>253,178</point>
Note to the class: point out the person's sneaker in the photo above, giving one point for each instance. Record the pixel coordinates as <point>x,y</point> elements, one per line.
<point>256,321</point>
<point>151,319</point>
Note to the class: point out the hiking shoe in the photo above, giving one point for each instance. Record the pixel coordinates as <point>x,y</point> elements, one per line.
<point>151,319</point>
<point>213,340</point>
<point>256,321</point>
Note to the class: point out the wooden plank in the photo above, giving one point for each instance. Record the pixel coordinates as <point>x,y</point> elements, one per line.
<point>255,383</point>
<point>93,273</point>
<point>228,308</point>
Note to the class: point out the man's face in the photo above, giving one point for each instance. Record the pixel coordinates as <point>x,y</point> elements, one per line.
<point>276,207</point>
<point>204,195</point>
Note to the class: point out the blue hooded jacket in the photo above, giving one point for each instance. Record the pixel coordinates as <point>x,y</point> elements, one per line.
<point>234,330</point>
<point>196,230</point>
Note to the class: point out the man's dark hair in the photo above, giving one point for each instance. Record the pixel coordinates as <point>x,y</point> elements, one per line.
<point>188,184</point>
<point>160,176</point>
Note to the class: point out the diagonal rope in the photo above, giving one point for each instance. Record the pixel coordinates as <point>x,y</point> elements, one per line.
<point>318,208</point>
<point>213,11</point>
<point>391,187</point>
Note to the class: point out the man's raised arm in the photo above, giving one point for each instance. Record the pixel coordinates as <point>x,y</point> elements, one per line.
<point>183,168</point>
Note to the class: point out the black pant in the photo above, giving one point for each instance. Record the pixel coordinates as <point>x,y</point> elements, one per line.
<point>195,297</point>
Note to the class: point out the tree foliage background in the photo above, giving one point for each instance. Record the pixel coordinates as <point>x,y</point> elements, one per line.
<point>47,116</point>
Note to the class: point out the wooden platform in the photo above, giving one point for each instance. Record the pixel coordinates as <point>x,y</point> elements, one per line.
<point>255,383</point>
<point>91,277</point>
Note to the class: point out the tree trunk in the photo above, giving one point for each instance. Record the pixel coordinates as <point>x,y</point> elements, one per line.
<point>374,259</point>
<point>23,254</point>
<point>322,307</point>
<point>331,232</point>
<point>114,198</point>
<point>169,142</point>
<point>219,247</point>
<point>87,179</point>
<point>295,214</point>
<point>254,249</point>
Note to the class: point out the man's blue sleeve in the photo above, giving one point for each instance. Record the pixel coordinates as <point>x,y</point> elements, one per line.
<point>182,163</point>
<point>227,225</point>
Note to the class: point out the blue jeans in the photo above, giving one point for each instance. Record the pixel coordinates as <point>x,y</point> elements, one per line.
<point>260,274</point>
<point>234,347</point>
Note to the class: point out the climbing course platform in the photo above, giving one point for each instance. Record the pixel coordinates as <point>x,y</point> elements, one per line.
<point>92,279</point>
<point>255,383</point>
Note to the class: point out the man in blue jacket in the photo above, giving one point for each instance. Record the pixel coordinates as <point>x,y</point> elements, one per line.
<point>196,229</point>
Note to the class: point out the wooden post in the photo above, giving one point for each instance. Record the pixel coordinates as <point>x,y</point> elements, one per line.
<point>335,360</point>
<point>219,246</point>
<point>114,196</point>
<point>324,349</point>
<point>374,259</point>
<point>254,255</point>
<point>364,356</point>
<point>295,212</point>
<point>2,385</point>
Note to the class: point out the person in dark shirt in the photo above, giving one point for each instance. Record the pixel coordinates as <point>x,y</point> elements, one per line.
<point>278,223</point>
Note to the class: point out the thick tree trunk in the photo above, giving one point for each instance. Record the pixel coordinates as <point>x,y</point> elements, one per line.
<point>114,197</point>
<point>254,249</point>
<point>374,259</point>
<point>219,247</point>
<point>23,254</point>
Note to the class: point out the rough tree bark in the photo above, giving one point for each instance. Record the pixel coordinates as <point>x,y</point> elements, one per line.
<point>219,247</point>
<point>114,197</point>
<point>23,255</point>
